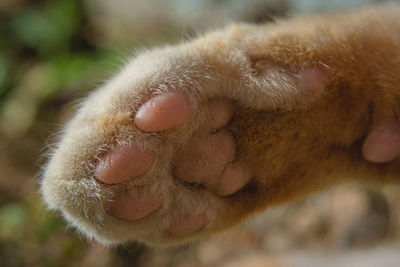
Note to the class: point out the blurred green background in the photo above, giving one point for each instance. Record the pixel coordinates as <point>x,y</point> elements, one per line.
<point>52,52</point>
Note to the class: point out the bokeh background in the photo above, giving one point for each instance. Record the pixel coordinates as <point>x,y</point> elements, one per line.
<point>52,52</point>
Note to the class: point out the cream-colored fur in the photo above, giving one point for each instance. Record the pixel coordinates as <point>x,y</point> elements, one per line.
<point>306,92</point>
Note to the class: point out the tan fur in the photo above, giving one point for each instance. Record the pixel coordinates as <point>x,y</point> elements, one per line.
<point>298,135</point>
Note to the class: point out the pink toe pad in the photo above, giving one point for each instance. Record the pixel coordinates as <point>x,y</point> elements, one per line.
<point>383,143</point>
<point>186,224</point>
<point>135,204</point>
<point>122,164</point>
<point>163,112</point>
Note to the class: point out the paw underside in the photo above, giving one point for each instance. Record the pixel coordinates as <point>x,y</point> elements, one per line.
<point>169,185</point>
<point>152,165</point>
<point>149,157</point>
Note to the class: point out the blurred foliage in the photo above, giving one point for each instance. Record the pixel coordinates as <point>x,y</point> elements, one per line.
<point>44,51</point>
<point>30,236</point>
<point>44,56</point>
<point>47,30</point>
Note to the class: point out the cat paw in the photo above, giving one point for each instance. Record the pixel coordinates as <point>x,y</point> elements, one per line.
<point>153,165</point>
<point>149,156</point>
<point>201,169</point>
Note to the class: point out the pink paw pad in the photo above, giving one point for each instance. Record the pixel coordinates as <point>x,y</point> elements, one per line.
<point>186,223</point>
<point>163,112</point>
<point>208,158</point>
<point>135,204</point>
<point>383,143</point>
<point>123,164</point>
